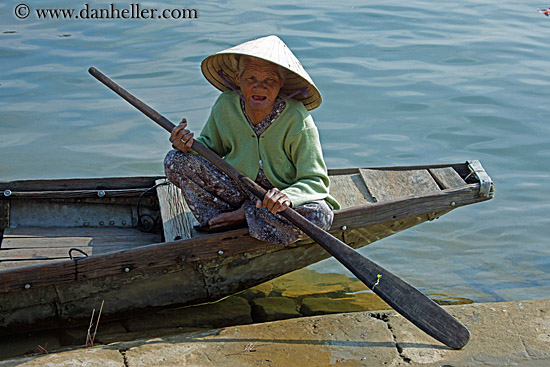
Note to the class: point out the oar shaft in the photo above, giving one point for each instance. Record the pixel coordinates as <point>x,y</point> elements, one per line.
<point>403,297</point>
<point>134,101</point>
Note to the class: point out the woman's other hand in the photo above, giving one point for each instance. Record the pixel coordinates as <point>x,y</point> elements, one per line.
<point>181,138</point>
<point>275,201</point>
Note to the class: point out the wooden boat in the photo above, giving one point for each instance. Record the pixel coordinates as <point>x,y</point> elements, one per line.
<point>68,245</point>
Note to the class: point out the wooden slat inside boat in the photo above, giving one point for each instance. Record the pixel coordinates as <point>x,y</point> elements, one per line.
<point>67,245</point>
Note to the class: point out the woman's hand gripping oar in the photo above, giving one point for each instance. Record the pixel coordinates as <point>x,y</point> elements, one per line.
<point>404,298</point>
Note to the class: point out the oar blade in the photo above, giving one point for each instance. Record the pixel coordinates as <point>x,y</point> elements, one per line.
<point>400,295</point>
<point>412,304</point>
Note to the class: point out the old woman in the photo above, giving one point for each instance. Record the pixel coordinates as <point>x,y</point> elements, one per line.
<point>260,125</point>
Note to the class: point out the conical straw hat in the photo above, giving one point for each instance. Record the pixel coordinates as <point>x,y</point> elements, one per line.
<point>270,48</point>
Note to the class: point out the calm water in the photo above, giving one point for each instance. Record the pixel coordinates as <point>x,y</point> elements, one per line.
<point>403,83</point>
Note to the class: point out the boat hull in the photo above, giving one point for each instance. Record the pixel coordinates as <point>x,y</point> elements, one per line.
<point>136,279</point>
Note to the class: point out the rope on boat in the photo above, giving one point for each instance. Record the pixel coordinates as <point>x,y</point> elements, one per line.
<point>143,224</point>
<point>76,249</point>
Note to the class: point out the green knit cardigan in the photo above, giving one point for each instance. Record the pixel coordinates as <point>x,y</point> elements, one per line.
<point>289,150</point>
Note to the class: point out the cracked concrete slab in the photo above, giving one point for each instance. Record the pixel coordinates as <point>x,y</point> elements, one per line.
<point>315,341</point>
<point>83,357</point>
<point>503,334</point>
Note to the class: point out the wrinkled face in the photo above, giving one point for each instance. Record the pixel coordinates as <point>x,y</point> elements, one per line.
<point>260,83</point>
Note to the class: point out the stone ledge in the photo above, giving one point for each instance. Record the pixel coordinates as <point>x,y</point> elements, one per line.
<point>503,334</point>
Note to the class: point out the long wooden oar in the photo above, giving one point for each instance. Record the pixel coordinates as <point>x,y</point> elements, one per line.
<point>404,298</point>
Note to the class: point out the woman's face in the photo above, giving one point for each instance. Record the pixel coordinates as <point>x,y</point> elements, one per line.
<point>260,84</point>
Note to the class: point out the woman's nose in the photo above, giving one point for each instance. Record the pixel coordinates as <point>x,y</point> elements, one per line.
<point>261,83</point>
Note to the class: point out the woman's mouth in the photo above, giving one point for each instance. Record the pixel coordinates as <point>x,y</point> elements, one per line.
<point>259,98</point>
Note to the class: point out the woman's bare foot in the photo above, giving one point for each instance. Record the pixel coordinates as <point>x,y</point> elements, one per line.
<point>228,220</point>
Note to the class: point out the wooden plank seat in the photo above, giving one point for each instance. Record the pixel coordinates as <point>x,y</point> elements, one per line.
<point>447,177</point>
<point>388,185</point>
<point>177,219</point>
<point>36,245</point>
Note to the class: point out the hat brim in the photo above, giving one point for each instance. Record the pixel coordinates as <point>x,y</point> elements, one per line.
<point>224,61</point>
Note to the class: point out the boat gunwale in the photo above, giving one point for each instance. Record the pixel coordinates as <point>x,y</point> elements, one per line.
<point>74,194</point>
<point>459,167</point>
<point>136,182</point>
<point>76,184</point>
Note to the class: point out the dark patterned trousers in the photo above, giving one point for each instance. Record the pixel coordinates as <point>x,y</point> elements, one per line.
<point>210,192</point>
